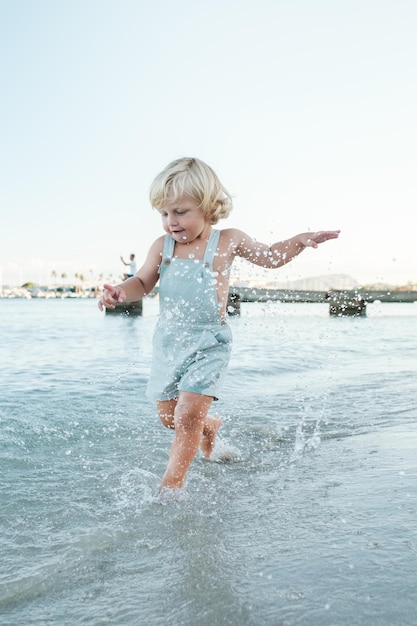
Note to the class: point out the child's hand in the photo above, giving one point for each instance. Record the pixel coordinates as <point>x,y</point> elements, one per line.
<point>110,296</point>
<point>312,240</point>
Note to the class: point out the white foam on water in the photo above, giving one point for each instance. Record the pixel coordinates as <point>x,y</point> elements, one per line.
<point>167,496</point>
<point>137,488</point>
<point>224,453</point>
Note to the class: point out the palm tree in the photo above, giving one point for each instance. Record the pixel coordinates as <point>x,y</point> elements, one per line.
<point>79,277</point>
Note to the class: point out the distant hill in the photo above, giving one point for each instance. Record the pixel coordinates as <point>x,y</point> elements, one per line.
<point>316,283</point>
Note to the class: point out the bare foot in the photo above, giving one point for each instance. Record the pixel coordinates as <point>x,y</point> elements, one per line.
<point>208,438</point>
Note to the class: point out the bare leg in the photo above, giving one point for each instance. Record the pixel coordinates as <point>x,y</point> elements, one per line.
<point>208,439</point>
<point>166,410</point>
<point>191,423</point>
<point>212,424</point>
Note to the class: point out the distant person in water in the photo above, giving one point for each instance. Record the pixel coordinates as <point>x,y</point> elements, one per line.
<point>132,267</point>
<point>192,339</point>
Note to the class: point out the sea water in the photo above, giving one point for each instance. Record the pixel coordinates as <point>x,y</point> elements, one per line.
<point>307,514</point>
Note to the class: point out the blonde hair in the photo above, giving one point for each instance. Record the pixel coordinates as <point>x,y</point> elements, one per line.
<point>192,177</point>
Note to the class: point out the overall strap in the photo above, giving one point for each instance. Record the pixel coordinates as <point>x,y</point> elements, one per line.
<point>211,247</point>
<point>169,244</point>
<point>167,252</point>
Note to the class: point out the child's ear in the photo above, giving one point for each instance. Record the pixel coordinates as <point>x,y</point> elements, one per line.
<point>210,214</point>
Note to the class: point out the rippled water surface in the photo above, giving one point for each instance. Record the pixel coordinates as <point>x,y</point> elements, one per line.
<point>306,516</point>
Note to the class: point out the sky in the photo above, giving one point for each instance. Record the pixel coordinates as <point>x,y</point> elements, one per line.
<point>306,109</point>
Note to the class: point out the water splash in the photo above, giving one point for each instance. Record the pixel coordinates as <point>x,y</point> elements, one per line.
<point>308,431</point>
<point>167,496</point>
<point>224,453</point>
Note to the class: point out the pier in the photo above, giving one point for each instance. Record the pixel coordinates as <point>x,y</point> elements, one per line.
<point>261,294</point>
<point>341,301</point>
<point>127,309</point>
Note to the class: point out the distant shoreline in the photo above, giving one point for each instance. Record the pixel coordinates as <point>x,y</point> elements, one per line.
<point>241,294</point>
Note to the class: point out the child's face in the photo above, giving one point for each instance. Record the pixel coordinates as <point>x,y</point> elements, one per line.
<point>184,220</point>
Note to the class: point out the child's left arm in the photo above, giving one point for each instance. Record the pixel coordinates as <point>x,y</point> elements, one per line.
<point>282,252</point>
<point>305,240</point>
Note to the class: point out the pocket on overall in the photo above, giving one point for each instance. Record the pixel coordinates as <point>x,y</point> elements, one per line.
<point>215,340</point>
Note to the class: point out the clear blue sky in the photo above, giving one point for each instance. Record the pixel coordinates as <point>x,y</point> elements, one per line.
<point>305,108</point>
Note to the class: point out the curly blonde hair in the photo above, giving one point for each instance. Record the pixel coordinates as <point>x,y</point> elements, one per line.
<point>192,177</point>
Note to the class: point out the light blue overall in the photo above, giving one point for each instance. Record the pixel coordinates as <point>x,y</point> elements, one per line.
<point>191,343</point>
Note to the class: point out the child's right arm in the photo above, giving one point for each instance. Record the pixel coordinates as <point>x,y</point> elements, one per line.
<point>137,286</point>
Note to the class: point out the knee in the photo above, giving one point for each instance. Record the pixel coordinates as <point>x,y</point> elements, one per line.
<point>167,420</point>
<point>187,419</point>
